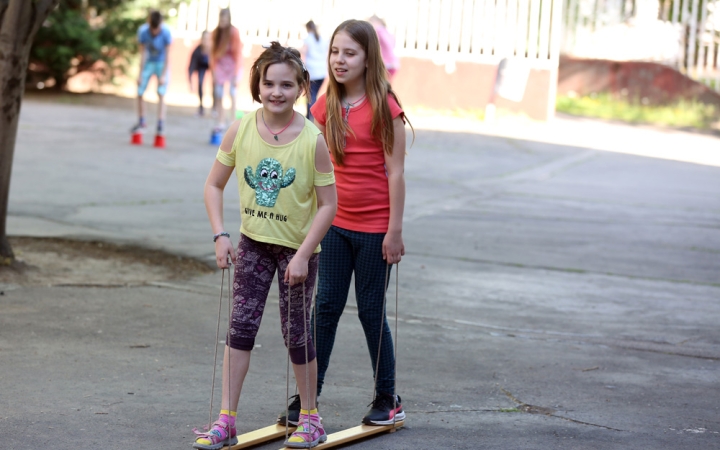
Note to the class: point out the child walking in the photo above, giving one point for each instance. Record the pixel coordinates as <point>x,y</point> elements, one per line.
<point>288,201</point>
<point>314,51</point>
<point>226,65</point>
<point>200,63</point>
<point>154,38</point>
<point>364,125</point>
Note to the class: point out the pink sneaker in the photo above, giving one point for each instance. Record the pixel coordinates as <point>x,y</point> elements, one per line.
<point>220,435</point>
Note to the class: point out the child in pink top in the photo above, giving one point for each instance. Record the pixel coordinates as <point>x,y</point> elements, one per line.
<point>387,46</point>
<point>226,64</point>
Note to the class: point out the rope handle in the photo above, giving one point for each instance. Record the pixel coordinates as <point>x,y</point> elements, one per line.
<point>307,364</point>
<point>217,338</point>
<point>382,322</point>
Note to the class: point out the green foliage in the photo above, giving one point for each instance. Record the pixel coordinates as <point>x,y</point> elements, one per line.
<point>509,410</point>
<point>88,35</point>
<point>683,113</point>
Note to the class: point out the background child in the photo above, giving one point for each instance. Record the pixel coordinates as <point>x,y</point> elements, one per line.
<point>226,65</point>
<point>387,46</point>
<point>200,63</point>
<point>154,39</point>
<point>288,200</point>
<point>314,51</point>
<point>363,123</point>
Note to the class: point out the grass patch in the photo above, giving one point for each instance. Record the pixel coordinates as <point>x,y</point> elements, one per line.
<point>604,106</point>
<point>509,410</point>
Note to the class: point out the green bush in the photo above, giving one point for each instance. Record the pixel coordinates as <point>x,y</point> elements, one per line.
<point>683,113</point>
<point>88,35</point>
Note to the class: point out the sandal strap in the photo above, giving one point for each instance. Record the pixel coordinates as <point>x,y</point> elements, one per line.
<point>221,424</point>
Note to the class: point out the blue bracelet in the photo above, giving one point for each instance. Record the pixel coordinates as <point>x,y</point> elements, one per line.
<point>222,233</point>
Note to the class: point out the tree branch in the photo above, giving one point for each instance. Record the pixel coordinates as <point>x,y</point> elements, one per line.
<point>3,7</point>
<point>41,10</point>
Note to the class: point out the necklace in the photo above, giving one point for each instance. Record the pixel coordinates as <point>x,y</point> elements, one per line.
<point>275,135</point>
<point>346,116</point>
<point>349,105</point>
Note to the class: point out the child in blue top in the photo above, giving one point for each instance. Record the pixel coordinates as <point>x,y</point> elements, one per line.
<point>154,39</point>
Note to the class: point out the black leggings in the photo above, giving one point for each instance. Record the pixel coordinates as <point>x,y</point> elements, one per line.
<point>201,79</point>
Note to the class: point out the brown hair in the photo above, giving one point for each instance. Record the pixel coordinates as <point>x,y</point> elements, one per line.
<point>221,36</point>
<point>155,19</point>
<point>377,88</point>
<point>277,54</point>
<point>312,28</point>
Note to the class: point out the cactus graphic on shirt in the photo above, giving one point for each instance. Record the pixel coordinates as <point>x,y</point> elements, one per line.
<point>268,180</point>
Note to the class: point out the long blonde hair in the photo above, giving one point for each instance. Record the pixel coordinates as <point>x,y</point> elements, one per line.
<point>377,88</point>
<point>221,36</point>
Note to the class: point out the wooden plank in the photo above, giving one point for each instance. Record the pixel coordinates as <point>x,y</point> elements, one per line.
<point>260,436</point>
<point>354,434</point>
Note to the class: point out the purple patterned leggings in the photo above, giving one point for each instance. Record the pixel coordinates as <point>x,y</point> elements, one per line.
<point>255,268</point>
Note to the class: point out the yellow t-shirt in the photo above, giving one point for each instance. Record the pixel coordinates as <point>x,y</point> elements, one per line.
<point>276,183</point>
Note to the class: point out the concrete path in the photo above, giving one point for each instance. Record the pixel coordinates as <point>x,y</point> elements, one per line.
<point>554,295</point>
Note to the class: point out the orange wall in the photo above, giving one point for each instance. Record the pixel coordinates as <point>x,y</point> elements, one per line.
<point>418,83</point>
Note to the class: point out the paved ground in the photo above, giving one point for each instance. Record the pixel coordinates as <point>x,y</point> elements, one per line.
<point>553,296</point>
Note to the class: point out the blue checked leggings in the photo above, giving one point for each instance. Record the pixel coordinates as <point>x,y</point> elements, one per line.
<point>344,252</point>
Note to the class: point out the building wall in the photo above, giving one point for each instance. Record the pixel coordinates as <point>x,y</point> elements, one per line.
<point>419,83</point>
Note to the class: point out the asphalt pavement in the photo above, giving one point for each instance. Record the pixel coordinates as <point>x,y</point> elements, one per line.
<point>561,290</point>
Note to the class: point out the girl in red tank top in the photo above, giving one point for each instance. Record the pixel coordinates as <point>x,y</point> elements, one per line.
<point>364,126</point>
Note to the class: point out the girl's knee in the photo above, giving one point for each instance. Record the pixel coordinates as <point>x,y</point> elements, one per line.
<point>298,354</point>
<point>328,311</point>
<point>218,90</point>
<point>371,319</point>
<point>241,343</point>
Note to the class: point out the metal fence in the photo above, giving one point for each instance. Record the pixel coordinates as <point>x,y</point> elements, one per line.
<point>684,34</point>
<point>444,31</point>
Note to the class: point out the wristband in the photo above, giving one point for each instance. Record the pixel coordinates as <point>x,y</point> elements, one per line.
<point>222,233</point>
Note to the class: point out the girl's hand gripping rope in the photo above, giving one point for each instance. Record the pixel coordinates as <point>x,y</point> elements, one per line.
<point>224,252</point>
<point>297,270</point>
<point>393,248</point>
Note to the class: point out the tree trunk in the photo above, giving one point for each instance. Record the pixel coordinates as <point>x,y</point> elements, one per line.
<point>19,21</point>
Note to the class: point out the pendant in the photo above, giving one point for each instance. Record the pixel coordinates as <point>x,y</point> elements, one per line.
<point>275,136</point>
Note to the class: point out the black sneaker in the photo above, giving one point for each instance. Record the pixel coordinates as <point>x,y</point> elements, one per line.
<point>386,410</point>
<point>293,412</point>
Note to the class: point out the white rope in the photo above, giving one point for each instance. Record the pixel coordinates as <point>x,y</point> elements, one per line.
<point>382,326</point>
<point>307,364</point>
<point>397,287</point>
<point>382,323</point>
<point>229,349</point>
<point>287,370</point>
<point>217,338</point>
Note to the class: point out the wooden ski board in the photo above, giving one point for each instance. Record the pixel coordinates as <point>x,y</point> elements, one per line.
<point>261,436</point>
<point>355,433</point>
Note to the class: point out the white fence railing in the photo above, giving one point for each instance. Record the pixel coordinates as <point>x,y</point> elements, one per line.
<point>682,33</point>
<point>445,31</point>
